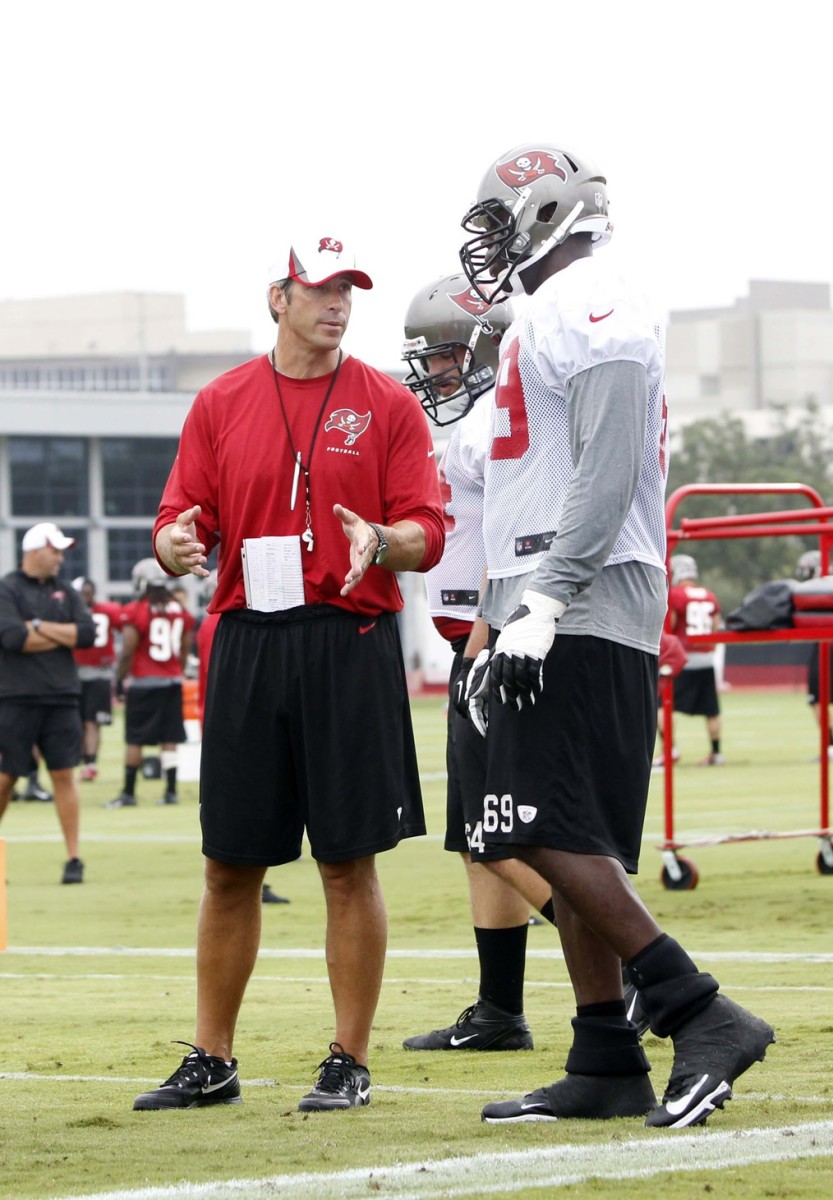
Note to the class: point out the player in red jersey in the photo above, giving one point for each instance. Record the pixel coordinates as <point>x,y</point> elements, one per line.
<point>694,610</point>
<point>96,670</point>
<point>316,476</point>
<point>156,637</point>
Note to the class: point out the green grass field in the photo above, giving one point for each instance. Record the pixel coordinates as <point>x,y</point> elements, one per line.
<point>98,981</point>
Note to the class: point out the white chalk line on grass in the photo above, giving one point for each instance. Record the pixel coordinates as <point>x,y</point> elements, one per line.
<point>390,981</point>
<point>732,956</point>
<point>484,1173</point>
<point>397,1089</point>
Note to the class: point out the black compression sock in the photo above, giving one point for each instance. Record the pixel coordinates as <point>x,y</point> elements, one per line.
<point>502,954</point>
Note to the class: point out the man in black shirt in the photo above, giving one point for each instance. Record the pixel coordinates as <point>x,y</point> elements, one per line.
<point>42,620</point>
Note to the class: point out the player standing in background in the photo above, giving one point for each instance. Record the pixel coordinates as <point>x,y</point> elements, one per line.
<point>451,347</point>
<point>319,473</point>
<point>575,544</point>
<point>96,670</point>
<point>42,620</point>
<point>694,610</point>
<point>156,636</point>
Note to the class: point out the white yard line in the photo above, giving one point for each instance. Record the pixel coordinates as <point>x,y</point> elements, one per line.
<point>482,1174</point>
<point>732,956</point>
<point>138,1081</point>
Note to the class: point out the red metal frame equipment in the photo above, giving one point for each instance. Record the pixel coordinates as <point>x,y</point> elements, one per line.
<point>815,521</point>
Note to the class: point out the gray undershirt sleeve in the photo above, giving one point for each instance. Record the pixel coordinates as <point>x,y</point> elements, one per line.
<point>607,409</point>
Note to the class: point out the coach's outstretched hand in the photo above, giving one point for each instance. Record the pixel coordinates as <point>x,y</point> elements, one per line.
<point>524,642</point>
<point>363,543</point>
<point>179,547</point>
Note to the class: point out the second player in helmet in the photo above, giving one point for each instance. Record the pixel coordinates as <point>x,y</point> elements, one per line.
<point>452,342</point>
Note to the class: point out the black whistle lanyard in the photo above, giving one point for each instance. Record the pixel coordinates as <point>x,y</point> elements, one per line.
<point>307,536</point>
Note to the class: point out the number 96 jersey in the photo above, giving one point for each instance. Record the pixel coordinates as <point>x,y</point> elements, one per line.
<point>161,628</point>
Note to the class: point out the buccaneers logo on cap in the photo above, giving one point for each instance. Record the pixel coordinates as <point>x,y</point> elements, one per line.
<point>349,423</point>
<point>332,244</point>
<point>526,168</point>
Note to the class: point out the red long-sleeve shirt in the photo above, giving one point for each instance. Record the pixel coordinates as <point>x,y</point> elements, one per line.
<point>373,454</point>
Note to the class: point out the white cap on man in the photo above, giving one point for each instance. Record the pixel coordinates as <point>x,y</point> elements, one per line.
<point>46,533</point>
<point>315,260</point>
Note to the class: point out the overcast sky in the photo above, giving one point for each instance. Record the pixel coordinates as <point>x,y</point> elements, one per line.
<point>173,145</point>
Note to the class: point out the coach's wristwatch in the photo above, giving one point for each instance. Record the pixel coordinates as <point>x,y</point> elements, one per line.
<point>382,549</point>
<point>36,623</point>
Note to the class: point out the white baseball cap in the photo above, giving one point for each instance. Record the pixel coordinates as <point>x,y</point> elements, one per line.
<point>314,260</point>
<point>46,533</point>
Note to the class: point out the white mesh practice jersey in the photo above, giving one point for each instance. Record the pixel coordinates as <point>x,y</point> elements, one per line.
<point>585,315</point>
<point>453,585</point>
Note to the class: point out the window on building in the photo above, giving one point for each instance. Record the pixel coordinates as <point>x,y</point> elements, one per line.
<point>124,549</point>
<point>49,477</point>
<point>135,471</point>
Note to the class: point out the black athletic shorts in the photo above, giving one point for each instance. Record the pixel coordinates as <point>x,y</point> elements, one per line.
<point>465,758</point>
<point>695,693</point>
<point>153,716</point>
<point>97,701</point>
<point>307,726</point>
<point>572,771</point>
<point>54,728</point>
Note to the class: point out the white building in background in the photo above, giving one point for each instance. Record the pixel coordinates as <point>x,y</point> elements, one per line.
<point>774,346</point>
<point>94,390</point>
<point>93,393</point>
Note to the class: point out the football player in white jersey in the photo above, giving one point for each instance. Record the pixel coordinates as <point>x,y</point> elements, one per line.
<point>452,338</point>
<point>574,532</point>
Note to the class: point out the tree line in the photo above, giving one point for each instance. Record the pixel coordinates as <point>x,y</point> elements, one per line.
<point>719,450</point>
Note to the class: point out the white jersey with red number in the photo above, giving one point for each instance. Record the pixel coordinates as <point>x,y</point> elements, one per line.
<point>453,585</point>
<point>583,316</point>
<point>694,610</point>
<point>108,618</point>
<point>161,628</point>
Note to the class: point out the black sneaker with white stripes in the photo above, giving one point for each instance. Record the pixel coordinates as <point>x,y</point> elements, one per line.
<point>342,1083</point>
<point>591,1097</point>
<point>710,1052</point>
<point>482,1026</point>
<point>200,1079</point>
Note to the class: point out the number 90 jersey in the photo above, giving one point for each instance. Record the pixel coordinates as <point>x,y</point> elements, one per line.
<point>161,628</point>
<point>583,316</point>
